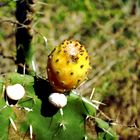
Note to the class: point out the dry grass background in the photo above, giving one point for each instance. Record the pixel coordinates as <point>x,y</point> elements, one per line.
<point>110,30</point>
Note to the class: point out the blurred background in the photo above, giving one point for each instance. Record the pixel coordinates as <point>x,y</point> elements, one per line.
<point>110,31</point>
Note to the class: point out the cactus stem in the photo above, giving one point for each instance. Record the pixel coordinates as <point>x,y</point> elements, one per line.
<point>31,132</point>
<point>24,34</point>
<point>13,124</point>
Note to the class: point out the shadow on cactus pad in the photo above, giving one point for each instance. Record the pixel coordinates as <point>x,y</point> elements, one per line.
<point>43,89</point>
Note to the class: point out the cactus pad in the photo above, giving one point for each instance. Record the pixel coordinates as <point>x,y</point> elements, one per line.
<point>27,120</point>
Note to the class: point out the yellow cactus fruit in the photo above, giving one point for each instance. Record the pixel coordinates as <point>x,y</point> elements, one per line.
<point>67,66</point>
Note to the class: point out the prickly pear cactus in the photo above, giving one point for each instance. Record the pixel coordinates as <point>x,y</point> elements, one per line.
<point>68,65</point>
<point>33,117</point>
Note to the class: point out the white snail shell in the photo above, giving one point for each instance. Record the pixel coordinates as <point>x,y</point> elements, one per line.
<point>15,92</point>
<point>58,100</point>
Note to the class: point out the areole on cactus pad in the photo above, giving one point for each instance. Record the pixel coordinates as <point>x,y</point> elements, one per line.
<point>68,66</point>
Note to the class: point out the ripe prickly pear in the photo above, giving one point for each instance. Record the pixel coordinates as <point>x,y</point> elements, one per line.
<point>67,66</point>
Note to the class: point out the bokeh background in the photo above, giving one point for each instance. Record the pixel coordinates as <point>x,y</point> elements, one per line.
<point>110,31</point>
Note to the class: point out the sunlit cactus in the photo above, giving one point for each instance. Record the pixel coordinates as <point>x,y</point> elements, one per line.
<point>66,123</point>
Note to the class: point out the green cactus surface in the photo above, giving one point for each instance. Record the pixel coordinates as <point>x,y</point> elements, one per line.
<point>29,117</point>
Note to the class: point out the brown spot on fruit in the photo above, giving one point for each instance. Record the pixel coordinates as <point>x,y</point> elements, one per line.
<point>59,51</point>
<point>74,58</point>
<point>81,66</point>
<point>57,72</point>
<point>78,81</point>
<point>68,62</point>
<point>71,73</point>
<point>57,60</point>
<point>62,83</point>
<point>76,44</point>
<point>86,57</point>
